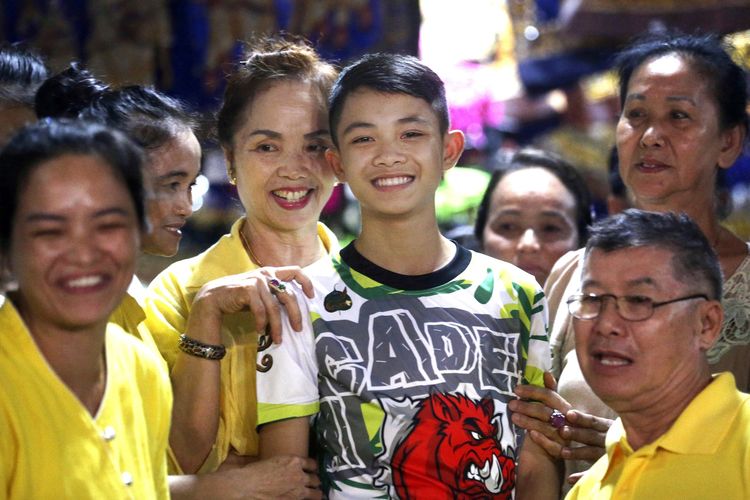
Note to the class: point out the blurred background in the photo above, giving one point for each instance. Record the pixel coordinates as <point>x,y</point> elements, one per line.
<point>517,73</point>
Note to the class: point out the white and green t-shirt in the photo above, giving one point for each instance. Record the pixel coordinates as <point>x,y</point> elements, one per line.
<point>410,376</point>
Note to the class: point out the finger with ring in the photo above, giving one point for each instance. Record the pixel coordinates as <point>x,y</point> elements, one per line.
<point>276,286</point>
<point>557,419</point>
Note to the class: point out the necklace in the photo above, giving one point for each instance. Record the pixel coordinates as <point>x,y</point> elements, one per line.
<point>248,248</point>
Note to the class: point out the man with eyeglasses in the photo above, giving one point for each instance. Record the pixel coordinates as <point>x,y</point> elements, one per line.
<point>647,313</point>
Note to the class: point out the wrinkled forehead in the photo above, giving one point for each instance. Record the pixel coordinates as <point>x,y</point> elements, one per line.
<point>629,267</point>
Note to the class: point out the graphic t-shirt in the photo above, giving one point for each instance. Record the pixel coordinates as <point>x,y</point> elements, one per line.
<point>410,375</point>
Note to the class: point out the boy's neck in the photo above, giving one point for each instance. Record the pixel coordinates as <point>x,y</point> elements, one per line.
<point>404,246</point>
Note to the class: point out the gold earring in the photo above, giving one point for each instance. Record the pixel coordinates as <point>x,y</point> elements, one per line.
<point>232,177</point>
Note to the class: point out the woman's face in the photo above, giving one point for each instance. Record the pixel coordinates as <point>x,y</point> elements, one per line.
<point>168,178</point>
<point>668,136</point>
<point>531,221</point>
<point>74,243</point>
<point>277,155</point>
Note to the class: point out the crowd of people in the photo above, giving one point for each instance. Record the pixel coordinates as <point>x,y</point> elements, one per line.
<point>280,364</point>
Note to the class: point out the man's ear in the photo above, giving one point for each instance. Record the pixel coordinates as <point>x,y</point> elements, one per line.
<point>712,315</point>
<point>453,146</point>
<point>334,161</point>
<point>733,142</point>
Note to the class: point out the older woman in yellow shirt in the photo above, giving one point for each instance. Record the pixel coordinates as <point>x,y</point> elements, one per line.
<point>274,131</point>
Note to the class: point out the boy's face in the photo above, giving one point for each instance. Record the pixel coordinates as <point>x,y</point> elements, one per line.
<point>391,152</point>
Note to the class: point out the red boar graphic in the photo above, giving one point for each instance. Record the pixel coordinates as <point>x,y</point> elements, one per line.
<point>451,451</point>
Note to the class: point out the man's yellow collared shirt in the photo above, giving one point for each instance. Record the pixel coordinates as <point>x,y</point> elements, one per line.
<point>704,455</point>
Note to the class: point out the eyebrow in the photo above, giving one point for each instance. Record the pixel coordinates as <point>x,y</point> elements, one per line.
<point>546,213</point>
<point>272,134</point>
<point>676,98</point>
<point>401,121</point>
<point>48,217</point>
<point>179,174</point>
<point>632,283</point>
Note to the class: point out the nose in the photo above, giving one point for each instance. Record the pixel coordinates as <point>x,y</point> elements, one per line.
<point>388,155</point>
<point>84,248</point>
<point>184,206</point>
<point>528,242</point>
<point>609,322</point>
<point>295,166</point>
<point>652,136</point>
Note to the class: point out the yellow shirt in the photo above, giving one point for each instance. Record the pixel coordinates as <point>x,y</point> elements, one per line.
<point>705,454</point>
<point>51,446</point>
<point>130,314</point>
<point>168,301</point>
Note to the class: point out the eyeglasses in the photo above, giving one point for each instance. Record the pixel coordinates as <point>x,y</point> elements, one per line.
<point>630,307</point>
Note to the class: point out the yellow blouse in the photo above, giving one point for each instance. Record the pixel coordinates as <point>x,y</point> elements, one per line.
<point>168,301</point>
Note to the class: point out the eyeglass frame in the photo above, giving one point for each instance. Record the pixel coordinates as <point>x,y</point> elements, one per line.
<point>578,296</point>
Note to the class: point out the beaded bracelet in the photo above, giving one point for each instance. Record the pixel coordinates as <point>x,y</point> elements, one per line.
<point>201,350</point>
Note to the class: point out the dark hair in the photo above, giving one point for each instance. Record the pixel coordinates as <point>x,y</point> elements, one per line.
<point>565,173</point>
<point>51,138</point>
<point>391,74</point>
<point>148,116</point>
<point>21,73</point>
<point>693,258</point>
<point>67,93</point>
<point>614,179</point>
<point>267,61</point>
<point>707,55</point>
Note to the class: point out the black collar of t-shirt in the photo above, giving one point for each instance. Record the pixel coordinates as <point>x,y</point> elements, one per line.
<point>445,274</point>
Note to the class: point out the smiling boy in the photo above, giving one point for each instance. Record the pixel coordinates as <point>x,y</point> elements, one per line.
<point>415,343</point>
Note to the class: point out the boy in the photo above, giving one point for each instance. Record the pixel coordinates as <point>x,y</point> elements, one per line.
<point>416,343</point>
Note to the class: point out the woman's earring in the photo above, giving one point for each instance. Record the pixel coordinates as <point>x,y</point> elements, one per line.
<point>232,177</point>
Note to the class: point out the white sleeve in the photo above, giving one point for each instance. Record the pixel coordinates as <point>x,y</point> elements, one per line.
<point>287,373</point>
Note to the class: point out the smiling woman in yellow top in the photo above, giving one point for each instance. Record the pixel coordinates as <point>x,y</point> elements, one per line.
<point>85,407</point>
<point>274,131</point>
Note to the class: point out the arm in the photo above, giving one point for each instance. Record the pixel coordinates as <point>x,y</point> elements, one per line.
<point>279,477</point>
<point>539,475</point>
<point>197,381</point>
<point>287,392</point>
<point>285,437</point>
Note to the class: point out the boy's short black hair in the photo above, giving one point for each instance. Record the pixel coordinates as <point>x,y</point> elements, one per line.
<point>390,74</point>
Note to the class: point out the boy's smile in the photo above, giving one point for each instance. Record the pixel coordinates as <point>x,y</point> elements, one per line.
<point>392,152</point>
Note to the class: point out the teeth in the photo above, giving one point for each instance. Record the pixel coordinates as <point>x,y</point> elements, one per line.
<point>490,474</point>
<point>485,470</point>
<point>610,361</point>
<point>85,281</point>
<point>290,195</point>
<point>473,473</point>
<point>494,483</point>
<point>392,181</point>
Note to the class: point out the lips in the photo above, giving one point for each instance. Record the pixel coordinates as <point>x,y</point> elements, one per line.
<point>611,359</point>
<point>175,228</point>
<point>650,165</point>
<point>292,198</point>
<point>393,181</point>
